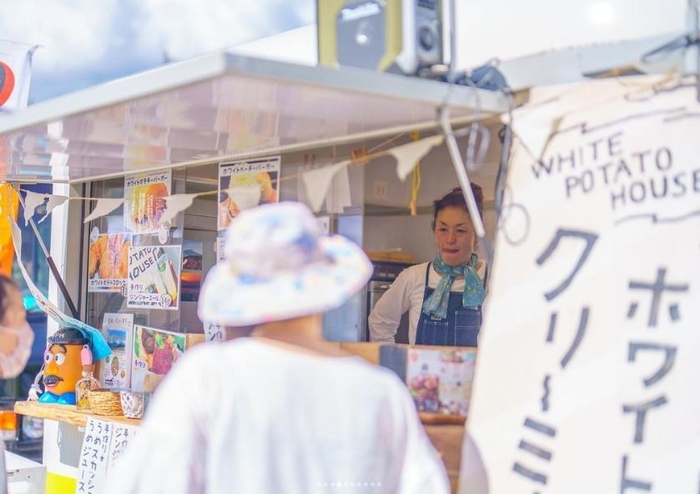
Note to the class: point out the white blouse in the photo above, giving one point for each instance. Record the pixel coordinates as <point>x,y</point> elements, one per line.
<point>406,294</point>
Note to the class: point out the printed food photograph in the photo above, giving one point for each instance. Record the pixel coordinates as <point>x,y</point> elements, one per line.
<point>108,259</point>
<point>424,390</point>
<point>144,206</point>
<point>159,350</point>
<point>244,191</point>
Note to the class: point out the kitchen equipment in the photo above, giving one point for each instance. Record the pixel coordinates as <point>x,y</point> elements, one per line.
<point>385,273</point>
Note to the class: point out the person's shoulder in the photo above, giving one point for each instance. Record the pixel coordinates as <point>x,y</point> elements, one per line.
<point>215,352</point>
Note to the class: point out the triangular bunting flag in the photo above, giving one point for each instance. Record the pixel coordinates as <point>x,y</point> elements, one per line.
<point>338,196</point>
<point>317,183</point>
<point>103,207</point>
<point>53,202</point>
<point>409,154</point>
<point>174,204</point>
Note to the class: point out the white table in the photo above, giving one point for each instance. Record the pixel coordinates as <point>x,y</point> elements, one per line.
<point>24,476</point>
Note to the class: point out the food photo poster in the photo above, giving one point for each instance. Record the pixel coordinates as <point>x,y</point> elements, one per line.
<point>246,184</point>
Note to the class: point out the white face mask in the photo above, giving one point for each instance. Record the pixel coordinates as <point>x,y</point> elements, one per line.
<point>13,364</point>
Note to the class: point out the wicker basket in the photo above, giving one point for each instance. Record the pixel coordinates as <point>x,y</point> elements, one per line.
<point>132,404</point>
<point>105,402</point>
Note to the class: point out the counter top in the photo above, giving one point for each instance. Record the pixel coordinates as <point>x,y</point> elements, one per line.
<point>66,413</point>
<point>446,432</point>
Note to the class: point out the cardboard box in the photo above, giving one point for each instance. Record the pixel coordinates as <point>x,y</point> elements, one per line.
<point>155,351</point>
<point>438,378</point>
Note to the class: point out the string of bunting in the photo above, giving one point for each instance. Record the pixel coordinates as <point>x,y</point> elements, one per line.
<point>327,183</point>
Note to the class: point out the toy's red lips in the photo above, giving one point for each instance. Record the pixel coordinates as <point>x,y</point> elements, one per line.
<point>52,381</point>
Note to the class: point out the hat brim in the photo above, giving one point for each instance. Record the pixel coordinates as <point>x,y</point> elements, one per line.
<point>230,299</point>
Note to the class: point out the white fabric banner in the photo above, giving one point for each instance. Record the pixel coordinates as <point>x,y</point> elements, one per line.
<point>587,373</point>
<point>15,74</point>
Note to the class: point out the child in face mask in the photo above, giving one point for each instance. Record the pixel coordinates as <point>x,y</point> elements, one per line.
<point>16,336</point>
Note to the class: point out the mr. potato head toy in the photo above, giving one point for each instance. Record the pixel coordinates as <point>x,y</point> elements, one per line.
<point>68,350</point>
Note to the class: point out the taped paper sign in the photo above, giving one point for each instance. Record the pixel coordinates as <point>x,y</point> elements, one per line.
<point>103,444</point>
<point>108,257</point>
<point>92,464</point>
<point>246,184</point>
<point>144,201</point>
<point>115,370</point>
<point>154,277</point>
<point>593,306</point>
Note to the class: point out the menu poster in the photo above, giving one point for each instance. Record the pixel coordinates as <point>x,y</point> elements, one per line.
<point>107,262</point>
<point>154,274</point>
<point>122,434</point>
<point>92,464</point>
<point>587,372</point>
<point>155,352</point>
<point>115,370</point>
<point>246,184</point>
<point>144,201</point>
<point>191,278</point>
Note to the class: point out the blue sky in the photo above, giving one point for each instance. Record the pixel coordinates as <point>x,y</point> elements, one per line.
<point>87,42</point>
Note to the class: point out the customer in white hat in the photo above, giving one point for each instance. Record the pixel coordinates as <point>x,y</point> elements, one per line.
<point>282,411</point>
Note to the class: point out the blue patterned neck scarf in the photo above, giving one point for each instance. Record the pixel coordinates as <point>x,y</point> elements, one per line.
<point>473,295</point>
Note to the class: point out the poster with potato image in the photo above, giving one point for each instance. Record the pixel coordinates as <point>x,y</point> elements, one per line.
<point>246,184</point>
<point>144,201</point>
<point>154,277</point>
<point>108,257</point>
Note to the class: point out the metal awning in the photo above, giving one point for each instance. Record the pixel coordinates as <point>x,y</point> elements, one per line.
<point>218,107</point>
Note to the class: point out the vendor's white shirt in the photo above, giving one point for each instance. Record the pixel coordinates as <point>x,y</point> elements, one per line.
<point>249,417</point>
<point>406,294</point>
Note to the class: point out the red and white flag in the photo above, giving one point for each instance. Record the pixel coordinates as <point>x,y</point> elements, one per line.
<point>15,74</point>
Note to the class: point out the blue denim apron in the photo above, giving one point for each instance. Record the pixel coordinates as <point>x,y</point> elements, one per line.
<point>460,328</point>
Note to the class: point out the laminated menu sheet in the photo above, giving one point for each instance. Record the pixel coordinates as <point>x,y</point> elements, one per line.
<point>587,372</point>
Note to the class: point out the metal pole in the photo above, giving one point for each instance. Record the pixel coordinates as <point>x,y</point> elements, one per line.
<point>461,171</point>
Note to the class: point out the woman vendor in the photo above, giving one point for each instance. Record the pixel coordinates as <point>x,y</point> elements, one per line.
<point>444,296</point>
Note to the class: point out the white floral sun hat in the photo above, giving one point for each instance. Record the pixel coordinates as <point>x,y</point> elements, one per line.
<point>279,265</point>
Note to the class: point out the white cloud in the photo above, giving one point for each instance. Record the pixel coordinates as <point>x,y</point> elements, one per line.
<point>85,42</point>
<point>189,28</point>
<point>71,34</point>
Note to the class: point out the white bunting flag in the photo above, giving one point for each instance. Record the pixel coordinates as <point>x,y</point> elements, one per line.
<point>103,207</point>
<point>338,196</point>
<point>32,200</point>
<point>408,155</point>
<point>174,204</point>
<point>317,183</point>
<point>52,203</point>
